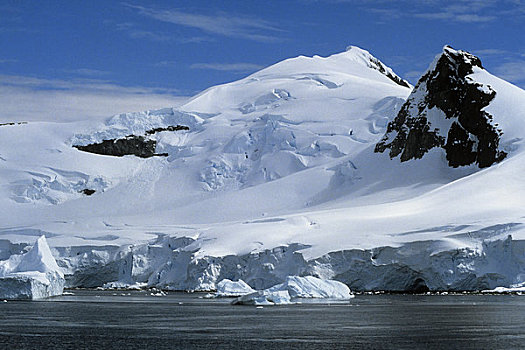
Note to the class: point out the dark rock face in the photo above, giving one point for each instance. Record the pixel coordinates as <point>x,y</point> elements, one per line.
<point>380,67</point>
<point>169,128</point>
<point>87,191</point>
<point>139,146</point>
<point>13,123</point>
<point>130,145</point>
<point>471,137</point>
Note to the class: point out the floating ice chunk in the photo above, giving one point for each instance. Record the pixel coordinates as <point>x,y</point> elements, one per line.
<point>264,297</point>
<point>124,285</point>
<point>33,275</point>
<point>313,287</point>
<point>515,288</point>
<point>229,288</point>
<point>294,288</point>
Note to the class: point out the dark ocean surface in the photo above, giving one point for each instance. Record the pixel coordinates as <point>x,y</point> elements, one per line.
<point>92,319</point>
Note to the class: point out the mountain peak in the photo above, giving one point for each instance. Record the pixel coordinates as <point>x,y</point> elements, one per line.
<point>459,57</point>
<point>366,58</point>
<point>446,110</point>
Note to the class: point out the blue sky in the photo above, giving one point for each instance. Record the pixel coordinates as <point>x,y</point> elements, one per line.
<point>163,49</point>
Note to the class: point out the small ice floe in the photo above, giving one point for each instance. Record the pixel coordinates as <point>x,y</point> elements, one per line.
<point>296,288</point>
<point>517,289</point>
<point>68,293</point>
<point>124,285</point>
<point>157,292</point>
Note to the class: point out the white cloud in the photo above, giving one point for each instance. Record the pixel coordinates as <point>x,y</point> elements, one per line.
<point>87,72</point>
<point>458,17</point>
<point>234,67</point>
<point>135,32</point>
<point>34,99</point>
<point>463,11</point>
<point>144,34</point>
<point>490,52</point>
<point>224,24</point>
<point>513,71</point>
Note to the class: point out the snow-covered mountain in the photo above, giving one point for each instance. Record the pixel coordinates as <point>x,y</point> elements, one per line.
<point>275,175</point>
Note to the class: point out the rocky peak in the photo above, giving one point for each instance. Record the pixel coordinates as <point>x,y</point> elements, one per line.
<point>445,110</point>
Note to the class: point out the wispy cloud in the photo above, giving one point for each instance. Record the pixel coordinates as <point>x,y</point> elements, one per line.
<point>490,52</point>
<point>87,72</point>
<point>25,98</point>
<point>513,71</point>
<point>387,13</point>
<point>224,24</point>
<point>468,11</point>
<point>232,67</point>
<point>144,34</point>
<point>461,11</point>
<point>458,17</point>
<point>135,32</point>
<point>8,60</point>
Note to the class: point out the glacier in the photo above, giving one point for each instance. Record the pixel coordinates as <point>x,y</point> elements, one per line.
<point>272,176</point>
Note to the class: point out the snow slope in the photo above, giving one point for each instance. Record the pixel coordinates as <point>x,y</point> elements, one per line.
<point>276,176</point>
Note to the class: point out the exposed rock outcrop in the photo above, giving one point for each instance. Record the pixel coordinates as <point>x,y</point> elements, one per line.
<point>130,145</point>
<point>446,110</point>
<point>136,145</point>
<point>168,128</point>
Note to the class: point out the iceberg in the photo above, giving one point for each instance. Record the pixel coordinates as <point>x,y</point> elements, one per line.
<point>295,287</point>
<point>229,288</point>
<point>33,275</point>
<point>264,297</point>
<point>313,287</point>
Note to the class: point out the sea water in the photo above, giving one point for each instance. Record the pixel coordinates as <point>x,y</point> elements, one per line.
<point>92,319</point>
